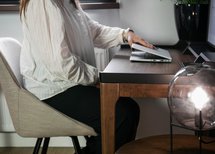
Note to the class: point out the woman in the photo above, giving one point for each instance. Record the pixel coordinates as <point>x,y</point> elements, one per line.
<point>58,64</point>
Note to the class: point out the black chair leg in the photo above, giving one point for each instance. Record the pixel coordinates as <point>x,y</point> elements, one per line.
<point>37,146</point>
<point>76,144</point>
<point>45,145</point>
<point>86,138</point>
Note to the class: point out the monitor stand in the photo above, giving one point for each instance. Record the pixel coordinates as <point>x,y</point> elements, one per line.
<point>201,51</point>
<point>205,57</point>
<point>195,48</point>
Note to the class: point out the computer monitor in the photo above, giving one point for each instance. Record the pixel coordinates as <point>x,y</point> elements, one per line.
<point>211,24</point>
<point>208,54</point>
<point>196,48</point>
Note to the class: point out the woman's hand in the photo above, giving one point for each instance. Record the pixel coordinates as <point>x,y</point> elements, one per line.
<point>133,38</point>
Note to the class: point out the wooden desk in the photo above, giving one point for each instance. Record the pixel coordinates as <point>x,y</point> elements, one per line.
<point>122,78</point>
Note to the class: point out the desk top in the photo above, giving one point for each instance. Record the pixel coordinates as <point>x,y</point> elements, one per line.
<point>121,70</point>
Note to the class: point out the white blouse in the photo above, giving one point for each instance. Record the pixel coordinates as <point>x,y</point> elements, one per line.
<point>58,47</point>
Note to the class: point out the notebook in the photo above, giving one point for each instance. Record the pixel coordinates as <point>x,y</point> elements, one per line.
<point>143,54</point>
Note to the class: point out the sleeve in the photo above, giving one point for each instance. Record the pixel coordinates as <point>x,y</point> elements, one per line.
<point>105,36</point>
<point>54,52</point>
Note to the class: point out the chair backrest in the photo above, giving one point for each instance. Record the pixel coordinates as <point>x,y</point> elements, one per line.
<point>10,49</point>
<point>31,117</point>
<point>10,76</point>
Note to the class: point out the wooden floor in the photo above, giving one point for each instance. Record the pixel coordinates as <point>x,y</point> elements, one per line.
<point>30,150</point>
<point>160,144</point>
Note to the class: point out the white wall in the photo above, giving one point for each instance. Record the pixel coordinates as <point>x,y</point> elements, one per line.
<point>10,25</point>
<point>153,20</point>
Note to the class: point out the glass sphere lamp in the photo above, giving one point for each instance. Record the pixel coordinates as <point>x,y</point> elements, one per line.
<point>191,100</point>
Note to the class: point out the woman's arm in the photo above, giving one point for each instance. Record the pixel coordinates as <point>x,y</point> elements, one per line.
<point>106,37</point>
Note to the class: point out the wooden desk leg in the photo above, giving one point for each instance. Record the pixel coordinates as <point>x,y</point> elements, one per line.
<point>109,97</point>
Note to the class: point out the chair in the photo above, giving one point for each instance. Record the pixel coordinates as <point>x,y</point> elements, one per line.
<point>30,116</point>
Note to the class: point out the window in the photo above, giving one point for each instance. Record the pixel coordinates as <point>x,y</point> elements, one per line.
<point>84,1</point>
<point>99,4</point>
<point>9,1</point>
<point>13,5</point>
<point>95,1</point>
<point>9,5</point>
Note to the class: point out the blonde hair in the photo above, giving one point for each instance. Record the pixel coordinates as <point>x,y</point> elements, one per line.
<point>24,3</point>
<point>23,6</point>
